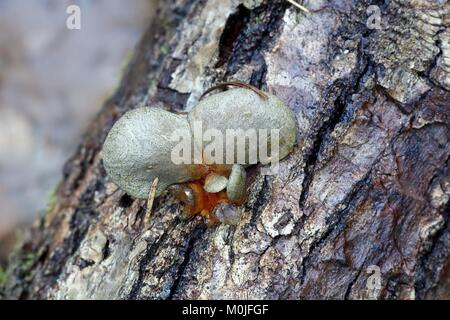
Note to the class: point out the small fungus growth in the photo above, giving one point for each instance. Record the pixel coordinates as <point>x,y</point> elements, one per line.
<point>138,153</point>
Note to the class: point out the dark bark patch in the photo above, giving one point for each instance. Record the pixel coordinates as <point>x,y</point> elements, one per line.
<point>255,37</point>
<point>233,27</point>
<point>195,235</point>
<point>125,201</point>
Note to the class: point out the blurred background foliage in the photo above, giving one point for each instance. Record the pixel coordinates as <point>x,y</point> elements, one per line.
<point>52,82</point>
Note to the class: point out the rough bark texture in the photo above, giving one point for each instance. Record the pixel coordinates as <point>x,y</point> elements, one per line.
<point>367,185</point>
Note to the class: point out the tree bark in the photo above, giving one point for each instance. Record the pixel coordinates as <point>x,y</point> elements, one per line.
<point>365,192</point>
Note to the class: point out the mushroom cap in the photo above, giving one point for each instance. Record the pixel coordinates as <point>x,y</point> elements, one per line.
<point>243,109</point>
<point>215,183</point>
<point>236,184</point>
<point>138,149</point>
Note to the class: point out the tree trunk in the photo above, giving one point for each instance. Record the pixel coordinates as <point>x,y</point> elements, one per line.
<point>359,210</point>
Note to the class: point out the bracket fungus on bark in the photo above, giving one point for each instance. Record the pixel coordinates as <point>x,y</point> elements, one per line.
<point>139,148</point>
